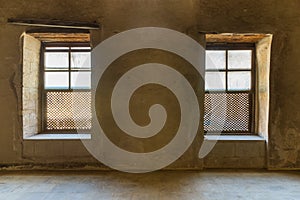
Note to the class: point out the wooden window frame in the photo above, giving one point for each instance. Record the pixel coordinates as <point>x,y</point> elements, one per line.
<point>252,92</point>
<point>42,106</point>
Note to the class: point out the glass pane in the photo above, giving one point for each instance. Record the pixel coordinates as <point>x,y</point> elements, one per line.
<point>239,80</point>
<point>85,48</point>
<point>56,60</point>
<point>56,80</point>
<point>80,80</point>
<point>215,81</point>
<point>57,48</point>
<point>81,60</point>
<point>239,59</point>
<point>215,59</point>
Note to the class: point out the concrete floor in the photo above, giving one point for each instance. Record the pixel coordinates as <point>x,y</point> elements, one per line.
<point>208,185</point>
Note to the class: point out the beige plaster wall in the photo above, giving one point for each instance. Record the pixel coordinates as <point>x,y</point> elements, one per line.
<point>280,18</point>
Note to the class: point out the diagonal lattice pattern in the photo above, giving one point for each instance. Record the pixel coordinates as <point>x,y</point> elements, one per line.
<point>237,116</point>
<point>68,110</point>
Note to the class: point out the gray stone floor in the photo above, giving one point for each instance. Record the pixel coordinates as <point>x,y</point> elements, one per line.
<point>208,185</point>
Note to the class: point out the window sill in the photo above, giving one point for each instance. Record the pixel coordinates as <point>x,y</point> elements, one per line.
<point>234,137</point>
<point>88,137</point>
<point>59,137</point>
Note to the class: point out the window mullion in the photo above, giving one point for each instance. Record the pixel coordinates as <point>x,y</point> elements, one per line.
<point>226,71</point>
<point>69,68</point>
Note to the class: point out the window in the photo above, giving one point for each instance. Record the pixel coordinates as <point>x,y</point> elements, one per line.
<point>66,83</point>
<point>230,77</point>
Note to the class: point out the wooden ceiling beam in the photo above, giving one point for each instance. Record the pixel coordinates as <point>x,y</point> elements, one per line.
<point>53,23</point>
<point>62,37</point>
<point>234,38</point>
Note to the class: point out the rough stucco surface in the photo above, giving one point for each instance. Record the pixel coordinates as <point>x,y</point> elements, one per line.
<point>280,18</point>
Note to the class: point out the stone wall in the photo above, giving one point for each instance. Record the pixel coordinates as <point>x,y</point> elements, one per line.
<point>31,68</point>
<point>237,155</point>
<point>280,18</point>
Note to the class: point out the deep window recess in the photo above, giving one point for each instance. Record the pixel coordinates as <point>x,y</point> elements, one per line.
<point>66,82</point>
<point>230,77</point>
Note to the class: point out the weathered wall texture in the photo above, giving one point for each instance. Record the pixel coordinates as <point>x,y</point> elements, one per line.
<point>233,154</point>
<point>30,93</point>
<point>280,18</point>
